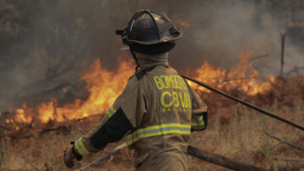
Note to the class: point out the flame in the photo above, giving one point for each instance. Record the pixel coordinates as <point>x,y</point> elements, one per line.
<point>105,86</point>
<point>182,23</point>
<point>235,78</point>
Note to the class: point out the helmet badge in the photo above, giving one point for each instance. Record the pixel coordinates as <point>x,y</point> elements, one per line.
<point>146,23</point>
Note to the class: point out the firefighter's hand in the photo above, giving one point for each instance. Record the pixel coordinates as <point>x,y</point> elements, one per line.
<point>69,157</point>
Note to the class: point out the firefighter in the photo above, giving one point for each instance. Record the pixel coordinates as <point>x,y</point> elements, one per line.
<point>157,110</point>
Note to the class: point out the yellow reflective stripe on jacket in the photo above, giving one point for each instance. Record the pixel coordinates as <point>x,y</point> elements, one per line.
<point>81,148</point>
<point>198,122</point>
<point>157,130</point>
<point>111,111</point>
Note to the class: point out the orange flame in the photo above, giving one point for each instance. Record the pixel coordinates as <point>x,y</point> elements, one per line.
<point>235,78</point>
<point>105,86</point>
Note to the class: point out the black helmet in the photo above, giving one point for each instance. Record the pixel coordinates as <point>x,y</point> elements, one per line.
<point>148,28</point>
<point>149,32</point>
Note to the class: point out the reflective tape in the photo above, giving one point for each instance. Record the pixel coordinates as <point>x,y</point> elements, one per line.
<point>111,111</point>
<point>198,122</point>
<point>158,130</point>
<point>81,148</point>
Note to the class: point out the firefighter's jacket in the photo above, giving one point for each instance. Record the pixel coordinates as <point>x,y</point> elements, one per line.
<point>155,114</point>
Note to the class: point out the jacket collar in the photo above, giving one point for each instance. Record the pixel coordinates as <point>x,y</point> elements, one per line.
<point>146,61</point>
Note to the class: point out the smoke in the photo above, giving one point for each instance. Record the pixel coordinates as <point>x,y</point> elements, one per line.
<point>46,43</point>
<point>242,25</point>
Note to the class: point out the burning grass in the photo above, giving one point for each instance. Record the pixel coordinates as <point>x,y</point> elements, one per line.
<point>35,138</point>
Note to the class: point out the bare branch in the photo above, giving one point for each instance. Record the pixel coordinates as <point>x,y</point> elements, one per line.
<point>257,57</point>
<point>288,159</point>
<point>285,142</point>
<point>296,69</point>
<point>61,127</point>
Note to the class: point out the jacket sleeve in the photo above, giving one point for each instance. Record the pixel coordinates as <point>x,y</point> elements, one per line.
<point>199,120</point>
<point>125,114</point>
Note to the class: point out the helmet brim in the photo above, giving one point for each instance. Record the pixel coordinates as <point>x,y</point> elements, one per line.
<point>165,39</point>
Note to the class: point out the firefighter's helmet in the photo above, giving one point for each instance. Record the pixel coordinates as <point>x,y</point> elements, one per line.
<point>148,27</point>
